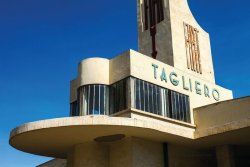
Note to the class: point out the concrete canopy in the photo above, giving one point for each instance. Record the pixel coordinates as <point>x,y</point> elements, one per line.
<point>55,137</point>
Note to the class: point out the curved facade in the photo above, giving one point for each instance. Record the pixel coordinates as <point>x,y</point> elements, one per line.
<point>144,96</point>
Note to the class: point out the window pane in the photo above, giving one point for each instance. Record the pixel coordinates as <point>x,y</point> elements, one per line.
<point>137,94</point>
<point>159,108</point>
<point>106,100</point>
<point>102,100</point>
<point>119,96</point>
<point>96,109</point>
<point>73,108</point>
<point>112,100</point>
<point>167,103</point>
<point>91,100</point>
<point>188,110</point>
<point>146,95</point>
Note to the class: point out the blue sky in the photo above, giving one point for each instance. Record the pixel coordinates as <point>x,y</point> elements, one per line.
<point>42,41</point>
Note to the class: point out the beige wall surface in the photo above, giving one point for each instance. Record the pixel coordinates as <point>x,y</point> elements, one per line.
<point>89,154</point>
<point>147,153</point>
<point>121,153</point>
<point>222,117</point>
<point>73,90</point>
<point>129,152</point>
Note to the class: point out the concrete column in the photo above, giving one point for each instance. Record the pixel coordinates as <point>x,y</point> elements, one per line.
<point>120,154</point>
<point>129,152</point>
<point>89,155</point>
<point>135,152</point>
<point>225,156</point>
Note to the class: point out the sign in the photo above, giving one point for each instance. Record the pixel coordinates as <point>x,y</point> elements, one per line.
<point>186,83</point>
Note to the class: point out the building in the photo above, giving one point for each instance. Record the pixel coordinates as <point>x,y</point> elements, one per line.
<point>159,107</point>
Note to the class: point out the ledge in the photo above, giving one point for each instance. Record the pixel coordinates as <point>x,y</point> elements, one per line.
<point>55,137</point>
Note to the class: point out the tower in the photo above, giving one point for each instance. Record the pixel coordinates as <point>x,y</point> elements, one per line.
<point>168,32</point>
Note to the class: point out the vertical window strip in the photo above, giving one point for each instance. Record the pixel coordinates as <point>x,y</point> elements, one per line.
<point>122,95</point>
<point>188,111</point>
<point>181,107</point>
<point>115,98</point>
<point>104,101</point>
<point>88,100</point>
<point>184,109</point>
<point>148,96</point>
<point>125,90</point>
<point>146,14</point>
<point>93,99</point>
<point>170,104</point>
<point>132,92</point>
<point>111,99</point>
<point>139,94</point>
<point>143,97</point>
<point>163,104</point>
<point>160,101</point>
<point>136,94</point>
<point>177,106</point>
<point>174,106</point>
<point>155,101</point>
<point>83,101</point>
<point>99,99</point>
<point>167,103</point>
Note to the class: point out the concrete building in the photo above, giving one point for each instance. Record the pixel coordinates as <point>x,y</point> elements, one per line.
<point>159,107</point>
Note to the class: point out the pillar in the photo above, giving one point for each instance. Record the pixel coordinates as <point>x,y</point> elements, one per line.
<point>225,156</point>
<point>89,155</point>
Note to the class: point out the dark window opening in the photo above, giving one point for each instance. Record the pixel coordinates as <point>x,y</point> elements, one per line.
<point>153,13</point>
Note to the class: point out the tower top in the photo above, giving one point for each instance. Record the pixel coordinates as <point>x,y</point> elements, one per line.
<point>168,32</point>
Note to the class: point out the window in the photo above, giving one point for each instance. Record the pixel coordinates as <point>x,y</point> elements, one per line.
<point>93,100</point>
<point>144,96</point>
<point>73,108</point>
<point>101,99</point>
<point>153,13</point>
<point>157,100</point>
<point>119,96</point>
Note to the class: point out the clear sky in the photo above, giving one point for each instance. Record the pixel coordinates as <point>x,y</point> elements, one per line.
<point>42,41</point>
